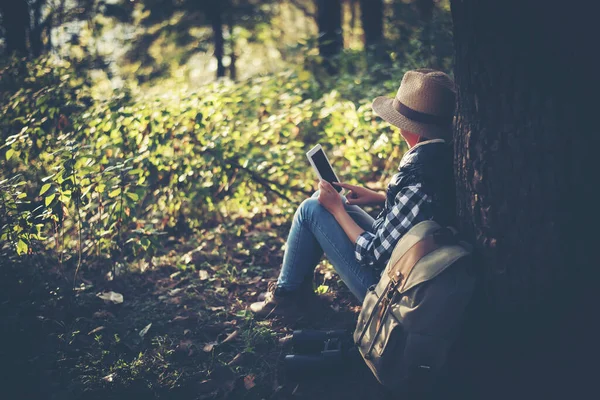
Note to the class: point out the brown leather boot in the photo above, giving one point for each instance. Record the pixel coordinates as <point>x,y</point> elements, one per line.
<point>280,302</point>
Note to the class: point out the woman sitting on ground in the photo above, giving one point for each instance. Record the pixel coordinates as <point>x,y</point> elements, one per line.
<point>357,245</point>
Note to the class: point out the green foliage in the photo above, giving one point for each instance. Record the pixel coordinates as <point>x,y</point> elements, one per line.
<point>108,178</point>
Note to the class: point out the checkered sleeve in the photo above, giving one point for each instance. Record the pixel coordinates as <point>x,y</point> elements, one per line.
<point>374,249</point>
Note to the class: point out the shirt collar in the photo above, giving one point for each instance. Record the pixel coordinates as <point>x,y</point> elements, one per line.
<point>412,149</point>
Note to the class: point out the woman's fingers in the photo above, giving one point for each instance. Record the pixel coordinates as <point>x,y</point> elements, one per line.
<point>324,185</point>
<point>344,185</point>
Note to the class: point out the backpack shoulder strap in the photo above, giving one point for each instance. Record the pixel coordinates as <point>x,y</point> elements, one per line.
<point>428,245</point>
<point>399,271</point>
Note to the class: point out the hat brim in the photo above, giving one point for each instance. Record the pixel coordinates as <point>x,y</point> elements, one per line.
<point>383,107</point>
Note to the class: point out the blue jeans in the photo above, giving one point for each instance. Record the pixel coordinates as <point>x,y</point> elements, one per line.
<point>314,231</point>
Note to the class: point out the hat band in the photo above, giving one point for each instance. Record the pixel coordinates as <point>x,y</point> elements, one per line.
<point>418,116</point>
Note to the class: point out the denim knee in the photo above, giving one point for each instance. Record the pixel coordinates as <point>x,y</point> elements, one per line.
<point>308,208</point>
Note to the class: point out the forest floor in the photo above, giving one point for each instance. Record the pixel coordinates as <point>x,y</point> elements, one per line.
<point>182,330</point>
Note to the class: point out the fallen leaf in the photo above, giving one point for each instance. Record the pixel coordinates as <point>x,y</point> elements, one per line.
<point>231,337</point>
<point>109,378</point>
<point>203,274</point>
<point>249,381</point>
<point>236,360</point>
<point>145,330</point>
<point>219,308</point>
<point>180,318</point>
<point>254,280</point>
<point>98,329</point>
<point>103,314</point>
<point>185,346</point>
<point>286,339</point>
<point>208,347</point>
<point>175,291</point>
<point>186,331</point>
<point>207,386</point>
<point>186,258</point>
<point>295,389</point>
<point>111,297</point>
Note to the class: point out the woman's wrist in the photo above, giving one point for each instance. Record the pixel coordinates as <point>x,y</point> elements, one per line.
<point>338,212</point>
<point>381,198</point>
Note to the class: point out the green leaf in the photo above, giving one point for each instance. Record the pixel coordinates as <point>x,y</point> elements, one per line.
<point>133,196</point>
<point>49,199</point>
<point>114,193</point>
<point>145,243</point>
<point>45,188</point>
<point>9,154</point>
<point>22,247</point>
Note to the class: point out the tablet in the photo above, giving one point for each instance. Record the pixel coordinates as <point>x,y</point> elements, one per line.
<point>322,166</point>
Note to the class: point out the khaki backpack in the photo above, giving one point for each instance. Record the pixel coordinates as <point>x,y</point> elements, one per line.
<point>409,320</point>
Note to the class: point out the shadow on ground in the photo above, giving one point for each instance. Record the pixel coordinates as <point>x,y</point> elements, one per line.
<point>178,333</point>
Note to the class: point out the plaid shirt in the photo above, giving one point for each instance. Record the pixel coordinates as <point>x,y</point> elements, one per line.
<point>411,206</point>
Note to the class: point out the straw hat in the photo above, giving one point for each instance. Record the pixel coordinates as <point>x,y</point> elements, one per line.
<point>424,104</point>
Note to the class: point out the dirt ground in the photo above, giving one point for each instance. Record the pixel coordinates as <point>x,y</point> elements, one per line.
<point>181,329</point>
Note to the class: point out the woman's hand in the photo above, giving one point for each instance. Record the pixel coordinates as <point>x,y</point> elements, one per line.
<point>330,198</point>
<point>360,196</point>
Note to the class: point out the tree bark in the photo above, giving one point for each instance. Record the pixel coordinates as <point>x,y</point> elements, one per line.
<point>371,14</point>
<point>15,21</point>
<point>329,23</point>
<point>523,141</point>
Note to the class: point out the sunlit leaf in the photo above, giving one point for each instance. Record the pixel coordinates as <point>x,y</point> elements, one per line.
<point>45,188</point>
<point>9,154</point>
<point>132,196</point>
<point>22,247</point>
<point>48,200</point>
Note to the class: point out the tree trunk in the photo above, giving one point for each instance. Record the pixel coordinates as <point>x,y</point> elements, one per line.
<point>371,14</point>
<point>523,140</point>
<point>35,36</point>
<point>15,21</point>
<point>329,23</point>
<point>232,54</point>
<point>215,13</point>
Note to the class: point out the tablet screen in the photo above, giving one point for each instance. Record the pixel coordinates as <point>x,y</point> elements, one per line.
<point>324,168</point>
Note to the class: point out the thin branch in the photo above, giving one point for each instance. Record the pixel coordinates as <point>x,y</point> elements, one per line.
<point>265,182</point>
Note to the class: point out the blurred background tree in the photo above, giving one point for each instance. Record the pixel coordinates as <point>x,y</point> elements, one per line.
<point>207,39</point>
